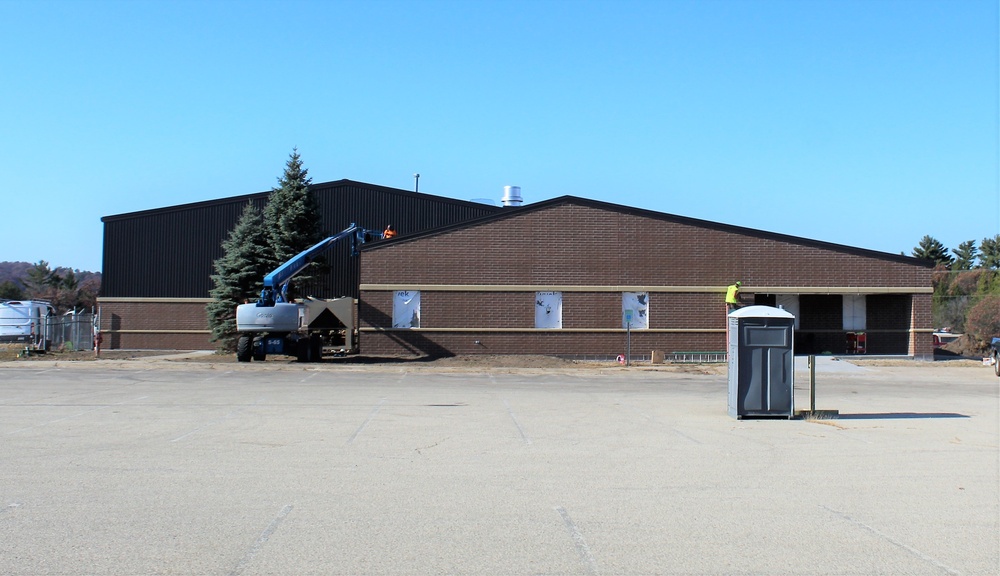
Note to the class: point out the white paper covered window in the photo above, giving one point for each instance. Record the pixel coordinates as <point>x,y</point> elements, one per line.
<point>406,309</point>
<point>635,310</point>
<point>548,309</point>
<point>854,312</point>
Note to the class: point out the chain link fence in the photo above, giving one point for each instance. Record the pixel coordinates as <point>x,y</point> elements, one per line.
<point>71,331</point>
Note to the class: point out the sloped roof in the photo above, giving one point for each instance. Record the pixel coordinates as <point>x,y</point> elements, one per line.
<point>314,187</point>
<point>514,212</point>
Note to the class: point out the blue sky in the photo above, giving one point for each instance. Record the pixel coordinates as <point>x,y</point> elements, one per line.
<point>868,123</point>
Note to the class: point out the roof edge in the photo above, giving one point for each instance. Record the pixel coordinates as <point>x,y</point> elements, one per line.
<point>315,186</point>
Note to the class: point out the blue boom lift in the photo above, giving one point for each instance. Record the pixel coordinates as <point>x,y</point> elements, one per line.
<point>277,325</point>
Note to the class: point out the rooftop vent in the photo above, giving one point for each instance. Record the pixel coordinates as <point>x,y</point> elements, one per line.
<point>511,196</point>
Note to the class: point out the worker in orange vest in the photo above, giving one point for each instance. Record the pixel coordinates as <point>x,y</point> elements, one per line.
<point>390,232</point>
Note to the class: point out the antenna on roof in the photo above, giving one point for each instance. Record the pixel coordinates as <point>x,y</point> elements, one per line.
<point>416,182</point>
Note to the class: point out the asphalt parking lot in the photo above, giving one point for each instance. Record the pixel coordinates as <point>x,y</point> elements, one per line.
<point>164,468</point>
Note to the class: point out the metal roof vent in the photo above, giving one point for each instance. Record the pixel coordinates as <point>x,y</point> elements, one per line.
<point>511,196</point>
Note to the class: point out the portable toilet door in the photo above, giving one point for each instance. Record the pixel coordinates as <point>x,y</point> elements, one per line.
<point>761,362</point>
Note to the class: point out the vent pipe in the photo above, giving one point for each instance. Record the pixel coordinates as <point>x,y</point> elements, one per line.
<point>511,196</point>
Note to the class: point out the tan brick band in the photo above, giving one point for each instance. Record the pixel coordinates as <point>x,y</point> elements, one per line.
<point>660,289</point>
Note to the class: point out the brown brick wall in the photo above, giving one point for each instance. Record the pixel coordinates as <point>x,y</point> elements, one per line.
<point>581,245</point>
<point>155,325</point>
<point>921,345</point>
<point>575,245</point>
<point>515,309</point>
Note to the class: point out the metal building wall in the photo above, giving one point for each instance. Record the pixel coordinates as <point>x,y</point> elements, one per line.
<point>168,252</point>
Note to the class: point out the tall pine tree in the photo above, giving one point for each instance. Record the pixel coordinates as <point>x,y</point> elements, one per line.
<point>931,248</point>
<point>965,255</point>
<point>989,253</point>
<point>42,281</point>
<point>292,217</point>
<point>238,275</point>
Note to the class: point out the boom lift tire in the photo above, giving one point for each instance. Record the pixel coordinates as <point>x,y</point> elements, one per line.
<point>243,346</point>
<point>996,362</point>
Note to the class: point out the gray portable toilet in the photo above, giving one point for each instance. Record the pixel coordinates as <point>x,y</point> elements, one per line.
<point>761,363</point>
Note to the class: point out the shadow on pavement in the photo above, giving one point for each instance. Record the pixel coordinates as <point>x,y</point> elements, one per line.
<point>899,415</point>
<point>359,359</point>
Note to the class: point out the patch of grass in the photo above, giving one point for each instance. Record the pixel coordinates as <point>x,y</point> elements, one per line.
<point>825,417</point>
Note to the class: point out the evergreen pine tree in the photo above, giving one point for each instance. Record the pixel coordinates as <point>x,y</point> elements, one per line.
<point>989,253</point>
<point>965,255</point>
<point>932,249</point>
<point>292,217</point>
<point>10,291</point>
<point>69,281</point>
<point>42,282</point>
<point>238,276</point>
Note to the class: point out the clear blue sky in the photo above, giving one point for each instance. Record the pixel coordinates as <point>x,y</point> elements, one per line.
<point>868,123</point>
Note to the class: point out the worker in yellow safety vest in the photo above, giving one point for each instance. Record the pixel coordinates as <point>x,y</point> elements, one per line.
<point>733,296</point>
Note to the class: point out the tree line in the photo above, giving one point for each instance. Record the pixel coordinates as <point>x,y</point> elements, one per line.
<point>260,241</point>
<point>968,256</point>
<point>65,288</point>
<point>966,282</point>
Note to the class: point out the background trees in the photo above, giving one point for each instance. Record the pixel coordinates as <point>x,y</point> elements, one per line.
<point>965,255</point>
<point>10,291</point>
<point>983,319</point>
<point>65,288</point>
<point>989,253</point>
<point>966,286</point>
<point>932,249</point>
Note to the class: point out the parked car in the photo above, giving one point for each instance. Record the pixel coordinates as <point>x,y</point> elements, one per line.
<point>942,337</point>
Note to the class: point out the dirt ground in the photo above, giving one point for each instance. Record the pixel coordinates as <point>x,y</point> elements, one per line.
<point>15,353</point>
<point>966,346</point>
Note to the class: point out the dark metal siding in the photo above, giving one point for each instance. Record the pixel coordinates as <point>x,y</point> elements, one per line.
<point>168,253</point>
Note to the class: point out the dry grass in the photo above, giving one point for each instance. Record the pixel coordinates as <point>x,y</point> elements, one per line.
<point>15,352</point>
<point>825,418</point>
